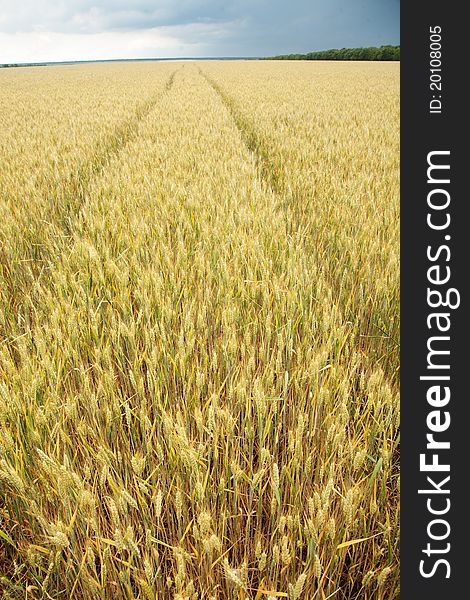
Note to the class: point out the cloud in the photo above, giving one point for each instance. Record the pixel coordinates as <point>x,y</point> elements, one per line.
<point>94,16</point>
<point>194,39</point>
<point>104,28</point>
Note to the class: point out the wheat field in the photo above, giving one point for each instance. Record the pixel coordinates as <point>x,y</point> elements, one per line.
<point>199,320</point>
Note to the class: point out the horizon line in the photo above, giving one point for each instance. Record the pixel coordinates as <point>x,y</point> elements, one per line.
<point>96,60</point>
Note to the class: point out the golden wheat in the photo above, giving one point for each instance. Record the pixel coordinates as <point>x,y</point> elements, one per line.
<point>199,322</point>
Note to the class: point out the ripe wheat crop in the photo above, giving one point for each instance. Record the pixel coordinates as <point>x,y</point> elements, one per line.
<point>199,331</point>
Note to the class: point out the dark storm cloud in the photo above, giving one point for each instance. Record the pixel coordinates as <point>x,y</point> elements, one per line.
<point>94,16</point>
<point>234,27</point>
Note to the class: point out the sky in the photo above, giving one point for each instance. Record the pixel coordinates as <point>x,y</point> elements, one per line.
<point>62,30</point>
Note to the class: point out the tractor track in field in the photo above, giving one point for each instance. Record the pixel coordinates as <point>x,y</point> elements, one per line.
<point>272,178</point>
<point>250,138</point>
<point>77,186</point>
<point>63,202</point>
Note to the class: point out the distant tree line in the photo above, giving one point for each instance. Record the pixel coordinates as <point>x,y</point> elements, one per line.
<point>371,53</point>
